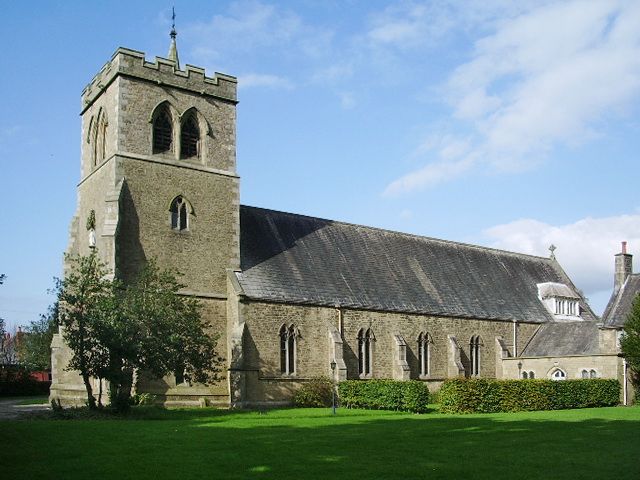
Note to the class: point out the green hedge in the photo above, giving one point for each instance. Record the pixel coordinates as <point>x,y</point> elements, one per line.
<point>18,382</point>
<point>315,393</point>
<point>411,396</point>
<point>487,395</point>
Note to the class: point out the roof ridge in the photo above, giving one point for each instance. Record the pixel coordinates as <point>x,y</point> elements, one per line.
<point>410,235</point>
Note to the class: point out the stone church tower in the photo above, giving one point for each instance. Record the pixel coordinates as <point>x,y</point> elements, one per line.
<point>158,168</point>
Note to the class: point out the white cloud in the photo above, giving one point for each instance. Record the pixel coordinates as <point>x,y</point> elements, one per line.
<point>252,80</point>
<point>430,175</point>
<point>585,249</point>
<point>539,81</point>
<point>250,26</point>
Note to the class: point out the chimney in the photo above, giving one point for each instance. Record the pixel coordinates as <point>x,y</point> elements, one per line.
<point>624,267</point>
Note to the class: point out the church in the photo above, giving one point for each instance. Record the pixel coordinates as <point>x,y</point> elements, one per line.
<point>294,297</point>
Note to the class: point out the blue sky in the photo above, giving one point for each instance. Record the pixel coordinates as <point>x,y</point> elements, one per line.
<point>508,124</point>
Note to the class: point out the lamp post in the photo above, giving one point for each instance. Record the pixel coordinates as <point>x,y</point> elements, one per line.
<point>333,386</point>
<point>519,369</point>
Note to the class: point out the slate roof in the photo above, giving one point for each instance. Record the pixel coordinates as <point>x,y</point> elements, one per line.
<point>305,260</point>
<point>563,338</point>
<point>620,305</point>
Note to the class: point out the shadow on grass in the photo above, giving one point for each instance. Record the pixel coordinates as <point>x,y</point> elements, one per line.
<point>309,444</point>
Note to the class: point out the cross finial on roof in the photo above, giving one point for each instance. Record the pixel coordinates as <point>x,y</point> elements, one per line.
<point>552,249</point>
<point>173,48</point>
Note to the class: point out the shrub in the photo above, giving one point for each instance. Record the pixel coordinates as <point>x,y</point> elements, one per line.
<point>315,393</point>
<point>18,382</point>
<point>411,396</point>
<point>487,395</point>
<point>143,399</point>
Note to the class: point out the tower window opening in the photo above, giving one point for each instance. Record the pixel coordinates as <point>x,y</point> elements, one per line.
<point>162,131</point>
<point>179,214</point>
<point>190,138</point>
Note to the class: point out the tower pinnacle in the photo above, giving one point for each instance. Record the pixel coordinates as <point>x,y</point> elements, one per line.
<point>173,48</point>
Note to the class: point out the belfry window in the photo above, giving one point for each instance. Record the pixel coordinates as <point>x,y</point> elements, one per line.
<point>288,336</point>
<point>179,210</point>
<point>162,130</point>
<point>474,355</point>
<point>365,352</point>
<point>190,137</point>
<point>424,357</point>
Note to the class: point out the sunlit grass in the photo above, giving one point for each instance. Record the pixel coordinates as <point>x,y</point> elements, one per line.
<point>313,443</point>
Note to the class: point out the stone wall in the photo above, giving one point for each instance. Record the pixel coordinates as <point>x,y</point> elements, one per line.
<point>261,344</point>
<point>205,250</point>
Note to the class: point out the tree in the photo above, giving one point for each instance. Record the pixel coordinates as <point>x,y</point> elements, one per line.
<point>34,348</point>
<point>117,330</point>
<point>157,331</point>
<point>8,354</point>
<point>630,341</point>
<point>83,298</point>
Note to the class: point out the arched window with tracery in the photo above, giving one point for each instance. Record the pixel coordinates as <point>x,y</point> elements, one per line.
<point>288,340</point>
<point>179,211</point>
<point>474,355</point>
<point>162,130</point>
<point>558,374</point>
<point>365,352</point>
<point>190,136</point>
<point>424,354</point>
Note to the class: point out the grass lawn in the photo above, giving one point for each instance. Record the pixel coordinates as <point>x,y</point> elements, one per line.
<point>39,400</point>
<point>597,443</point>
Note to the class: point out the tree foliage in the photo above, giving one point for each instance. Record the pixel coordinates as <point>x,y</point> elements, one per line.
<point>630,341</point>
<point>2,326</point>
<point>118,330</point>
<point>34,348</point>
<point>84,297</point>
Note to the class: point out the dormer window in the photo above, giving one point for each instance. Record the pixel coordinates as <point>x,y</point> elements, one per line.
<point>561,301</point>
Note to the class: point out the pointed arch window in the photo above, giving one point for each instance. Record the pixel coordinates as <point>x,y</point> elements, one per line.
<point>190,137</point>
<point>424,354</point>
<point>558,374</point>
<point>162,130</point>
<point>180,210</point>
<point>474,355</point>
<point>96,137</point>
<point>365,352</point>
<point>288,340</point>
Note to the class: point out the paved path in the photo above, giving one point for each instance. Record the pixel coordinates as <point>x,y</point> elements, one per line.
<point>10,410</point>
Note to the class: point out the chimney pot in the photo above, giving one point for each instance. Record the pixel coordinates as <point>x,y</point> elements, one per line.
<point>624,247</point>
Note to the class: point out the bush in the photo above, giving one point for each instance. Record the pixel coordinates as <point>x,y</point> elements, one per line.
<point>488,396</point>
<point>410,396</point>
<point>315,393</point>
<point>143,399</point>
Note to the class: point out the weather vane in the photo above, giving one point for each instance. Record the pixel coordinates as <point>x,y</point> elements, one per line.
<point>173,22</point>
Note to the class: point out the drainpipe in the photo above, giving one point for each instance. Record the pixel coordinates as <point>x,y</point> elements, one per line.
<point>515,338</point>
<point>624,380</point>
<point>340,319</point>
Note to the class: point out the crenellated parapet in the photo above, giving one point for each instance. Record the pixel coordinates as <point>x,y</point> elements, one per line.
<point>162,71</point>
